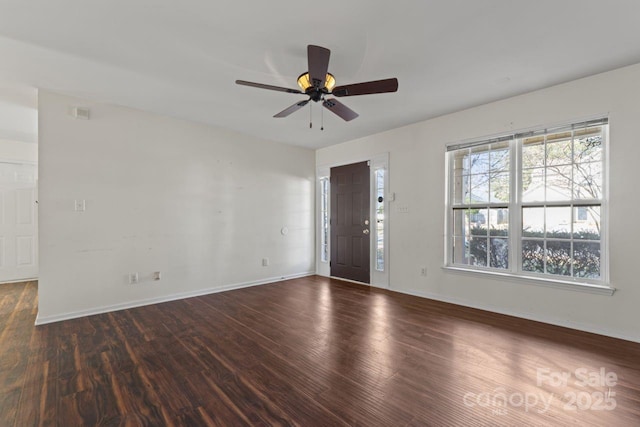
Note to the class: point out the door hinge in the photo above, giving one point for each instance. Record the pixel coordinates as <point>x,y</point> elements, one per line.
<point>329,263</point>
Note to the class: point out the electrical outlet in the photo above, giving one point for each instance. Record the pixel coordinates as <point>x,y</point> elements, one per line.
<point>133,278</point>
<point>423,271</point>
<point>156,275</point>
<point>265,262</point>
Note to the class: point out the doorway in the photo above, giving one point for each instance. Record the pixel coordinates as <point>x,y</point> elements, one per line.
<point>18,222</point>
<point>362,257</point>
<point>18,182</point>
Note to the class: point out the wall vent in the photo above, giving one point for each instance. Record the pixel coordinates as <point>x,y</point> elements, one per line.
<point>79,113</point>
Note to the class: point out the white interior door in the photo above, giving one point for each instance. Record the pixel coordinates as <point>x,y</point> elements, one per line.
<point>18,222</point>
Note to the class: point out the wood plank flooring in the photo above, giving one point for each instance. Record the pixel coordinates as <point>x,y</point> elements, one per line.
<point>307,352</point>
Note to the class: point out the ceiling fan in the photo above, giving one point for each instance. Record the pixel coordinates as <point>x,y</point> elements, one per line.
<point>317,83</point>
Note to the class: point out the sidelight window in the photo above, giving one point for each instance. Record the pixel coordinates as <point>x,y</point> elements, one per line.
<point>379,220</point>
<point>324,219</point>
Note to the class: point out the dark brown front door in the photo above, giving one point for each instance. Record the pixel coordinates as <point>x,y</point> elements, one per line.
<point>350,222</point>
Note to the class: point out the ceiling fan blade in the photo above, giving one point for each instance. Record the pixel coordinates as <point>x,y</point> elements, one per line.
<point>339,109</point>
<point>318,61</point>
<point>269,87</point>
<point>295,107</point>
<point>367,88</point>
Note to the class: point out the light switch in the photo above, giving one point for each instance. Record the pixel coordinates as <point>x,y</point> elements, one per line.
<point>80,205</point>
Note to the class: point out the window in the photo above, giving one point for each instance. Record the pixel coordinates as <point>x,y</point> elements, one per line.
<point>530,204</point>
<point>324,219</point>
<point>379,230</point>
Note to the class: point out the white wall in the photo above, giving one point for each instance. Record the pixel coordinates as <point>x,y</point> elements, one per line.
<point>18,113</point>
<point>417,168</point>
<point>18,152</point>
<point>201,205</point>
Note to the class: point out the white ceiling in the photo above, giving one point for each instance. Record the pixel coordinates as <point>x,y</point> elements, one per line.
<point>182,58</point>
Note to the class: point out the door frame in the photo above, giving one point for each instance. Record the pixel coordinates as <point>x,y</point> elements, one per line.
<point>378,279</point>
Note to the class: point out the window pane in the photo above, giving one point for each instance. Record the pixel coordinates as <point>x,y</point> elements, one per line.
<point>478,251</point>
<point>533,222</point>
<point>499,156</point>
<point>379,175</point>
<point>324,216</point>
<point>460,174</point>
<point>460,188</point>
<point>503,216</point>
<point>533,152</point>
<point>533,255</point>
<point>558,222</point>
<point>324,186</point>
<point>479,189</point>
<point>588,180</point>
<point>499,253</point>
<point>499,184</point>
<point>460,222</point>
<point>587,146</point>
<point>461,161</point>
<point>479,160</point>
<point>461,250</point>
<point>533,185</point>
<point>586,222</point>
<point>499,222</point>
<point>558,258</point>
<point>586,260</point>
<point>478,221</point>
<point>558,184</point>
<point>559,149</point>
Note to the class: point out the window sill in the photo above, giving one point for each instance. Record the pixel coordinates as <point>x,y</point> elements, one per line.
<point>550,283</point>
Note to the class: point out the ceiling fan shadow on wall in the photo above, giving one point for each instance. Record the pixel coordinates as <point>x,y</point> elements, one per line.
<point>317,83</point>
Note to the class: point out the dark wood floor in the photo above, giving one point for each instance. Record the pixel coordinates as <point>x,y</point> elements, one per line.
<point>309,352</point>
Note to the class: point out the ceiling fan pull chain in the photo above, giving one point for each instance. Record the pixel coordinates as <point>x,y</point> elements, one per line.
<point>310,116</point>
<point>322,118</point>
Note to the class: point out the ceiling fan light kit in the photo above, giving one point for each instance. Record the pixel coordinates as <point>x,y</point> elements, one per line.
<point>318,83</point>
<point>304,81</point>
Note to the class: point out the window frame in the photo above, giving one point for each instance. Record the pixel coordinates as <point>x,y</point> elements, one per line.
<point>515,208</point>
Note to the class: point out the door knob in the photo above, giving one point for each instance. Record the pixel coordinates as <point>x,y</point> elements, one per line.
<point>365,231</point>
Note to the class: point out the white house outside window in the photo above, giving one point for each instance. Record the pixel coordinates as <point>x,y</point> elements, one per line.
<point>530,204</point>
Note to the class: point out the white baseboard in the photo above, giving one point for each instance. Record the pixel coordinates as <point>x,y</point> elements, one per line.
<point>529,316</point>
<point>31,279</point>
<point>41,320</point>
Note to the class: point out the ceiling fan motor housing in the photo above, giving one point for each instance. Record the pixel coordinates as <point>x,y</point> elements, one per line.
<point>316,94</point>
